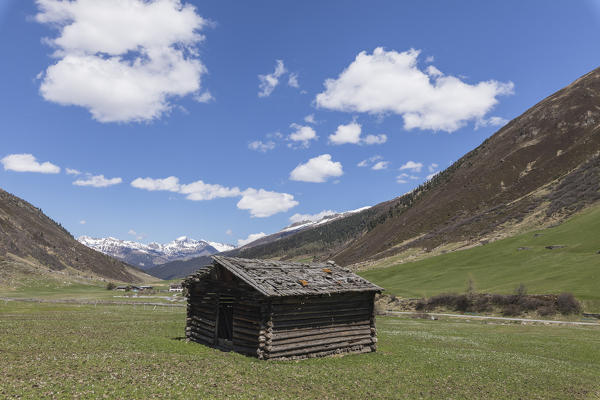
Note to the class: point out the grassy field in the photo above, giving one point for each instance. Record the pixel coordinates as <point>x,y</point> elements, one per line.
<point>500,267</point>
<point>70,351</point>
<point>53,290</point>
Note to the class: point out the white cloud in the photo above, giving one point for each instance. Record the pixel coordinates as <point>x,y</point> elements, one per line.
<point>123,60</point>
<point>403,178</point>
<point>251,238</point>
<point>317,169</point>
<point>432,167</point>
<point>261,146</point>
<point>268,82</point>
<point>28,163</point>
<point>375,139</point>
<point>83,222</point>
<point>229,232</point>
<point>391,82</point>
<point>170,184</point>
<point>260,203</point>
<point>412,166</point>
<point>349,133</point>
<point>310,119</point>
<point>263,203</point>
<point>98,181</point>
<point>71,171</point>
<point>303,134</point>
<point>380,165</point>
<point>492,121</point>
<point>199,191</point>
<point>432,175</point>
<point>369,161</point>
<point>429,59</point>
<point>293,80</point>
<point>138,236</point>
<point>204,97</point>
<point>311,217</point>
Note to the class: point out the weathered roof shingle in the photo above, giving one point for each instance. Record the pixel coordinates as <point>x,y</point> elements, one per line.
<point>280,278</point>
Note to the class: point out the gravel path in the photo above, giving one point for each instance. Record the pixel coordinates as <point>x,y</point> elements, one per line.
<point>543,321</point>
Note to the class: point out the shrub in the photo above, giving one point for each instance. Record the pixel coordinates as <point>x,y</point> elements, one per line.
<point>511,310</point>
<point>462,303</point>
<point>420,305</point>
<point>566,303</point>
<point>110,286</point>
<point>546,311</point>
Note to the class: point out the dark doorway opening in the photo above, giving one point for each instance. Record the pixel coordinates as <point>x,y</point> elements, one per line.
<point>225,322</point>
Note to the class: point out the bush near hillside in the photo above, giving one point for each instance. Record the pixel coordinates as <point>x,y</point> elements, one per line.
<point>508,305</point>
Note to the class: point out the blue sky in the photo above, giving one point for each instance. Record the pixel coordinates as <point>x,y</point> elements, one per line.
<point>131,96</point>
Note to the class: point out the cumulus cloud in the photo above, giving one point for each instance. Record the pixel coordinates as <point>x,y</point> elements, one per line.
<point>293,80</point>
<point>204,97</point>
<point>317,169</point>
<point>369,161</point>
<point>404,177</point>
<point>251,238</point>
<point>199,191</point>
<point>268,82</point>
<point>412,166</point>
<point>263,203</point>
<point>351,133</point>
<point>302,134</point>
<point>170,184</point>
<point>432,167</point>
<point>98,181</point>
<point>432,175</point>
<point>311,217</point>
<point>380,165</point>
<point>310,119</point>
<point>261,146</point>
<point>492,121</point>
<point>260,203</point>
<point>71,171</point>
<point>83,222</point>
<point>391,82</point>
<point>123,60</point>
<point>28,163</point>
<point>375,139</point>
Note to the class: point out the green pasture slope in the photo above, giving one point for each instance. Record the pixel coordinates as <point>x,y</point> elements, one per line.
<point>500,267</point>
<point>65,351</point>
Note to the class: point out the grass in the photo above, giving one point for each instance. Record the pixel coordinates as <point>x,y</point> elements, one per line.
<point>70,351</point>
<point>53,290</point>
<point>500,267</point>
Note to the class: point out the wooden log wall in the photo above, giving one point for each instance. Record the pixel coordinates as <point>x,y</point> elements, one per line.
<point>249,313</point>
<point>315,326</point>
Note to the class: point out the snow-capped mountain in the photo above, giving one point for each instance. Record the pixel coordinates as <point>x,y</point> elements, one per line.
<point>308,223</point>
<point>148,255</point>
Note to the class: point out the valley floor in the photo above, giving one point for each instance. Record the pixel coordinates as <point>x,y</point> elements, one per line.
<point>84,351</point>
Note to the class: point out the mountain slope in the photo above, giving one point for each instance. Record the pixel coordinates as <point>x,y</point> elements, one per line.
<point>542,166</point>
<point>501,266</point>
<point>30,242</point>
<point>179,268</point>
<point>148,255</point>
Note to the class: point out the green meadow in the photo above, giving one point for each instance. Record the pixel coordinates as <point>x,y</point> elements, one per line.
<point>65,351</point>
<point>501,266</point>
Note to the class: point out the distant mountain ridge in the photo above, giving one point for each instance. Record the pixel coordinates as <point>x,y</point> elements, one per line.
<point>149,255</point>
<point>182,268</point>
<point>32,245</point>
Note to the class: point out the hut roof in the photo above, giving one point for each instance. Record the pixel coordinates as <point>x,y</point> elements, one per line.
<point>279,278</point>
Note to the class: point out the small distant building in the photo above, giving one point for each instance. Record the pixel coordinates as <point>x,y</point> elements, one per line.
<point>176,287</point>
<point>146,287</point>
<point>281,310</point>
<point>121,288</point>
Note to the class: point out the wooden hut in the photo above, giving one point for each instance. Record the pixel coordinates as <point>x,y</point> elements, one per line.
<point>280,310</point>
